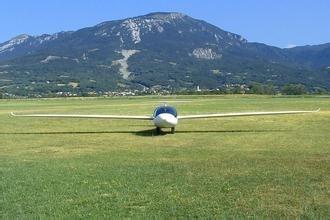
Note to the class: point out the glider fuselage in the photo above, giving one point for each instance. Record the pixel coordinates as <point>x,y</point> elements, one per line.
<point>165,117</point>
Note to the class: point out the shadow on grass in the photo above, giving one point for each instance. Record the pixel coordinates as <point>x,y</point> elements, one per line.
<point>145,133</point>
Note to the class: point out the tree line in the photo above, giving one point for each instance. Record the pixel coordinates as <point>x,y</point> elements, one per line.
<point>262,89</point>
<point>253,88</point>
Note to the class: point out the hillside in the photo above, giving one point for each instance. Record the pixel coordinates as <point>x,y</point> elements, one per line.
<point>170,51</point>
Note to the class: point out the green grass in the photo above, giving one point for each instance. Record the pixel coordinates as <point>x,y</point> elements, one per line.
<point>266,166</point>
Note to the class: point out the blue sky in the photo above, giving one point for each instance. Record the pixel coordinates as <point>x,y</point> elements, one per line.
<point>275,22</point>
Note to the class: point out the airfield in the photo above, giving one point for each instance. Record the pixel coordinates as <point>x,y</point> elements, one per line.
<point>265,166</point>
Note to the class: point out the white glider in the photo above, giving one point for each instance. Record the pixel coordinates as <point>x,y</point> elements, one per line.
<point>164,116</point>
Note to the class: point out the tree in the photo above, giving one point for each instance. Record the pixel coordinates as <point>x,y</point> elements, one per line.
<point>294,89</point>
<point>258,88</point>
<point>319,91</point>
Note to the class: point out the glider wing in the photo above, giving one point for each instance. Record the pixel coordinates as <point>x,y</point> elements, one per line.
<point>243,114</point>
<point>85,116</point>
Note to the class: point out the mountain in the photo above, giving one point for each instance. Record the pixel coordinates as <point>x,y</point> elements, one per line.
<point>169,51</point>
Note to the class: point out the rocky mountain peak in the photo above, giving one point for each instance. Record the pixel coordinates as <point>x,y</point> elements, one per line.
<point>9,45</point>
<point>166,15</point>
<point>21,37</point>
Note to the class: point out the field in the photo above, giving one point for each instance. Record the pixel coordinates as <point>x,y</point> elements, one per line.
<point>266,166</point>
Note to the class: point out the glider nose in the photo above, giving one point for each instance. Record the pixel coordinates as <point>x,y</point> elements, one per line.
<point>165,120</point>
<point>170,119</point>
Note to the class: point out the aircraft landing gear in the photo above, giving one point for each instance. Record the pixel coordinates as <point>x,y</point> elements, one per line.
<point>159,131</point>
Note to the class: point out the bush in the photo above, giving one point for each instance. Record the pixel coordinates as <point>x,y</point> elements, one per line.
<point>294,89</point>
<point>262,89</point>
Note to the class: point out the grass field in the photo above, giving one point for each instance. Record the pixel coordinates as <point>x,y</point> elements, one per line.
<point>275,166</point>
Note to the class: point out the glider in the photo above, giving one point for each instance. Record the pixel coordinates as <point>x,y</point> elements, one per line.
<point>165,116</point>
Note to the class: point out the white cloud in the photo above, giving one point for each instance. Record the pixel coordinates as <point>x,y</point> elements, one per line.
<point>290,46</point>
